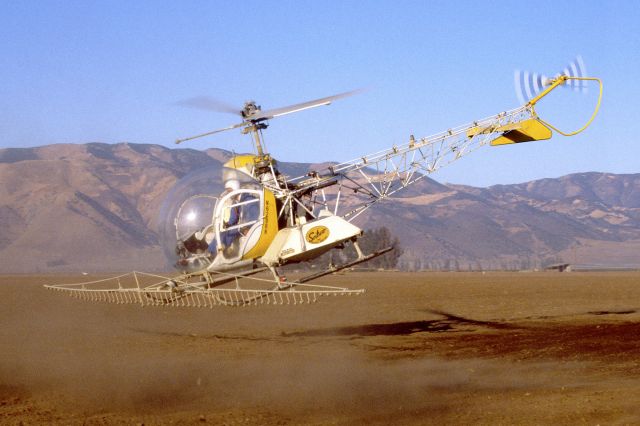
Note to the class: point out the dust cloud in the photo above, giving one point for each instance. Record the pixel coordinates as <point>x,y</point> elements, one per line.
<point>331,379</point>
<point>289,375</point>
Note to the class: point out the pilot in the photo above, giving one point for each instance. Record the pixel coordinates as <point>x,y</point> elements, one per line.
<point>230,185</point>
<point>230,218</point>
<point>231,215</point>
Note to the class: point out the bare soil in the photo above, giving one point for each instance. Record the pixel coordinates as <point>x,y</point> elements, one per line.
<point>417,348</point>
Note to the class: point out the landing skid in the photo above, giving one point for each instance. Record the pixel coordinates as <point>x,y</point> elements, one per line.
<point>333,268</point>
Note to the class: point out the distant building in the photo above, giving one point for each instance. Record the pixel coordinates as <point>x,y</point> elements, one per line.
<point>560,267</point>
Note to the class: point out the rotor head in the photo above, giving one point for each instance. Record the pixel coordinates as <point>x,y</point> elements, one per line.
<point>250,110</point>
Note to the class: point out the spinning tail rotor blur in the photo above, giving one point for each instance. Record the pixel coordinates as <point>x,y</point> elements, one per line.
<point>530,84</point>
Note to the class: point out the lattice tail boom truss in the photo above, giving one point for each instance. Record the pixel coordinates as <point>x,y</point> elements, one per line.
<point>380,175</point>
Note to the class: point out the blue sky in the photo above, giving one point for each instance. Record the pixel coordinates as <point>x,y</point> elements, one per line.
<point>76,72</point>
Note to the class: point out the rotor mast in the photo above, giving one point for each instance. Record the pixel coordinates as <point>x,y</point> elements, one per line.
<point>255,128</point>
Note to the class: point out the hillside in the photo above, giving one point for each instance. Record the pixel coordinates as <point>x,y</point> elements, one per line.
<point>94,207</point>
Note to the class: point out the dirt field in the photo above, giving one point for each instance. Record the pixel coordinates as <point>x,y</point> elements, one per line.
<point>423,348</point>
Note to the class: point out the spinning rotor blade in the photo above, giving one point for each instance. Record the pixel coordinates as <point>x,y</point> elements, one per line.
<point>576,69</point>
<point>235,126</point>
<point>209,104</point>
<point>254,114</point>
<point>528,84</point>
<point>277,112</point>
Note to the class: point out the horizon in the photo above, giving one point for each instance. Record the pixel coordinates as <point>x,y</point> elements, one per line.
<point>430,176</point>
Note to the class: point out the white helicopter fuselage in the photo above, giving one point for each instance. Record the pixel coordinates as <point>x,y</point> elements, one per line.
<point>254,223</point>
<point>309,240</point>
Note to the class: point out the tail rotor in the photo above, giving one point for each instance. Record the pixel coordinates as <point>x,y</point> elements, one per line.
<point>529,84</point>
<point>576,69</point>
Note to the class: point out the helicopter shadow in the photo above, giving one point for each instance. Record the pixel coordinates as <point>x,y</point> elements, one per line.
<point>449,323</point>
<point>614,312</point>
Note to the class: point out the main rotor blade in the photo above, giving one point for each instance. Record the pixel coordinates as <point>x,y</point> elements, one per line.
<point>204,102</point>
<point>209,104</point>
<point>235,126</point>
<point>277,112</point>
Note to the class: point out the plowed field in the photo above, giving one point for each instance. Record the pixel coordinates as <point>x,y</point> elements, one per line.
<point>416,348</point>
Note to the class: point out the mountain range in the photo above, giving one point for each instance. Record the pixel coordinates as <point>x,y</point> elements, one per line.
<point>94,207</point>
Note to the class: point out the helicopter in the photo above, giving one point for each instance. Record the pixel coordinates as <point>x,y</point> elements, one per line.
<point>262,216</point>
<point>224,241</point>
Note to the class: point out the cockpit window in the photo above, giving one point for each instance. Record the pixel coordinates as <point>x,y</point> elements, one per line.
<point>238,213</point>
<point>194,231</point>
<point>194,216</point>
<point>241,211</point>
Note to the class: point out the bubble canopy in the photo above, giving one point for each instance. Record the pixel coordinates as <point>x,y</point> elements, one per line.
<point>192,236</point>
<point>187,210</point>
<point>194,215</point>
